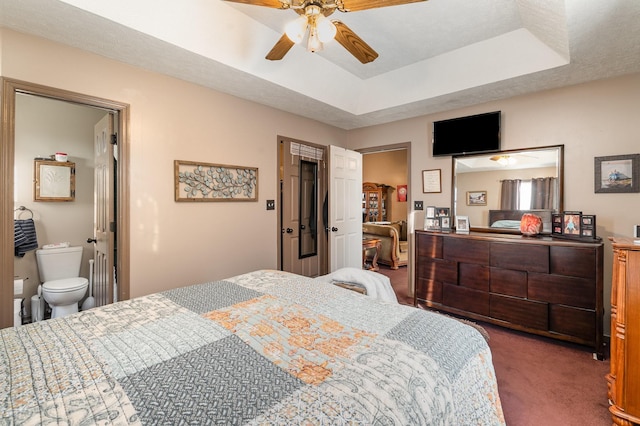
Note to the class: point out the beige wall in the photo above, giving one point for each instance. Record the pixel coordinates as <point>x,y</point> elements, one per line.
<point>175,244</point>
<point>389,168</point>
<point>591,120</point>
<point>44,127</point>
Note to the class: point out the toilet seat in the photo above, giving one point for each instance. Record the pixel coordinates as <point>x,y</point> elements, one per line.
<point>65,285</point>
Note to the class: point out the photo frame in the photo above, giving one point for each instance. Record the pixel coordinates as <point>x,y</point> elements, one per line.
<point>617,174</point>
<point>430,212</point>
<point>203,182</point>
<point>54,180</point>
<point>572,224</point>
<point>431,182</point>
<point>442,211</point>
<point>556,224</point>
<point>476,198</point>
<point>462,224</point>
<point>432,224</point>
<point>588,226</point>
<point>445,223</point>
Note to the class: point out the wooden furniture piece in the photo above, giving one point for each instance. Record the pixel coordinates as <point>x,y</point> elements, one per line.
<point>375,205</point>
<point>538,285</point>
<point>624,378</point>
<point>371,243</point>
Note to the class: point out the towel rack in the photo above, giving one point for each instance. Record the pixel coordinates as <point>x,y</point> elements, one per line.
<point>22,209</point>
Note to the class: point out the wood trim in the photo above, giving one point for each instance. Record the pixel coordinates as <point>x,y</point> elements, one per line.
<point>10,87</point>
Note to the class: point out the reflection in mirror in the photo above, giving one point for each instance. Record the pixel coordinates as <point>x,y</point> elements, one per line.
<point>510,183</point>
<point>308,209</point>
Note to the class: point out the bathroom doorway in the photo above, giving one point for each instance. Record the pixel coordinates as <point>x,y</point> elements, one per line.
<point>77,216</point>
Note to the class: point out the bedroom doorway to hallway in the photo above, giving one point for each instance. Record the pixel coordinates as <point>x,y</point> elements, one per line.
<point>390,165</point>
<point>11,90</point>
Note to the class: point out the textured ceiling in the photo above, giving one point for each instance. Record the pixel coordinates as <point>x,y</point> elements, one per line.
<point>435,55</point>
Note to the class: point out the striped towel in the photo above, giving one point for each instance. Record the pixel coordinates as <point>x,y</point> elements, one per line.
<point>25,239</point>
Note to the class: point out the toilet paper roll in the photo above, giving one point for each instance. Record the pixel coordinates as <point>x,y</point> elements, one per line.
<point>18,287</point>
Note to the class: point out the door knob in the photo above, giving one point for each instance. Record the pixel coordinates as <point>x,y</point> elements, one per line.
<point>92,240</point>
<point>289,230</point>
<point>334,229</point>
<point>302,227</point>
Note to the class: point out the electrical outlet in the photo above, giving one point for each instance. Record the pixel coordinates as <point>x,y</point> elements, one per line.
<point>418,205</point>
<point>271,204</point>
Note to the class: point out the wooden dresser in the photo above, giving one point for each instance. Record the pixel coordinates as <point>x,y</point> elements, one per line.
<point>539,285</point>
<point>624,379</point>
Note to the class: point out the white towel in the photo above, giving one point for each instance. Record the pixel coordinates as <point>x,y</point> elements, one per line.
<point>377,285</point>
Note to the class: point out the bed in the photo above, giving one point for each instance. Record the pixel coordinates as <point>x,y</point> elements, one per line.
<point>266,347</point>
<point>510,219</point>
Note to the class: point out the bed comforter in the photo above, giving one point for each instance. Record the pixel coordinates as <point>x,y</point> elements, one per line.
<point>261,348</point>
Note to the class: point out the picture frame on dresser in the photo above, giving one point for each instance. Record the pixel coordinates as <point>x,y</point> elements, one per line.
<point>462,224</point>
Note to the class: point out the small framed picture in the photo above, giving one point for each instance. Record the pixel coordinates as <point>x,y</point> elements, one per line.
<point>588,226</point>
<point>442,211</point>
<point>476,198</point>
<point>432,224</point>
<point>462,224</point>
<point>431,211</point>
<point>572,223</point>
<point>445,223</point>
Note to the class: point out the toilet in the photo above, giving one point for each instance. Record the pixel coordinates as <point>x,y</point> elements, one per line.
<point>62,288</point>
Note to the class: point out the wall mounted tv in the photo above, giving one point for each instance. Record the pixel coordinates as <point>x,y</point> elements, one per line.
<point>467,135</point>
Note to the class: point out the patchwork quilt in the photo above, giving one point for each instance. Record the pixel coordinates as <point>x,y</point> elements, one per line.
<point>263,348</point>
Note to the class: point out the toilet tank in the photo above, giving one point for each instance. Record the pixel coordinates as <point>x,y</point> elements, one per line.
<point>59,263</point>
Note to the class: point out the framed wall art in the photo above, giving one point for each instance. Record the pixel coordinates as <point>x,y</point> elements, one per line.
<point>617,174</point>
<point>431,181</point>
<point>54,180</point>
<point>476,198</point>
<point>197,181</point>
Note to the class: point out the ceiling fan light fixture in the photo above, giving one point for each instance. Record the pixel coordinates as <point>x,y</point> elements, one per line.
<point>296,29</point>
<point>326,29</point>
<point>314,44</point>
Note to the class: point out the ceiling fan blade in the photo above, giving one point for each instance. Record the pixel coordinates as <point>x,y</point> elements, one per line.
<point>280,48</point>
<point>354,5</point>
<point>354,44</point>
<point>276,4</point>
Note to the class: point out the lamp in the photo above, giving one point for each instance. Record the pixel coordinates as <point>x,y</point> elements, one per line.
<point>321,29</point>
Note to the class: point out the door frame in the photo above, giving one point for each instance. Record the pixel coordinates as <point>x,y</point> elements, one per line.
<point>9,89</point>
<point>394,147</point>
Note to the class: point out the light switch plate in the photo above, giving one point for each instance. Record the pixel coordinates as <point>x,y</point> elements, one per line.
<point>271,204</point>
<point>418,205</point>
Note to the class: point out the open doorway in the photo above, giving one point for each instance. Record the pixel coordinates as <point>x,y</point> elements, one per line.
<point>386,179</point>
<point>12,90</point>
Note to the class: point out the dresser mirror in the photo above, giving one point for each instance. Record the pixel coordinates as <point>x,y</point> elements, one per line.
<point>494,190</point>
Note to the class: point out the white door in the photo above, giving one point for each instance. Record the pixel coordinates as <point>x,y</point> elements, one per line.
<point>345,208</point>
<point>104,220</point>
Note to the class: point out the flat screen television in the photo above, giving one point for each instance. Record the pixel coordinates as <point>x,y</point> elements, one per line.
<point>467,135</point>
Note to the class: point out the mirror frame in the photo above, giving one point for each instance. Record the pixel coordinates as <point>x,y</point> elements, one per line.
<point>307,202</point>
<point>461,197</point>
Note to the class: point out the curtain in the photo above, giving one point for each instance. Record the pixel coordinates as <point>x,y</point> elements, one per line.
<point>510,194</point>
<point>543,192</point>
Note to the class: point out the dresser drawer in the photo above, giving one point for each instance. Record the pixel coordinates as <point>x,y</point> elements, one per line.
<point>519,311</point>
<point>437,270</point>
<point>558,289</point>
<point>465,299</point>
<point>573,261</point>
<point>473,276</point>
<point>521,257</point>
<point>429,290</point>
<point>508,282</point>
<point>580,323</point>
<point>467,251</point>
<point>428,246</point>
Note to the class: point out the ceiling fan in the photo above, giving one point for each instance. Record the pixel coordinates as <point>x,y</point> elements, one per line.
<point>314,25</point>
